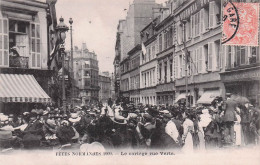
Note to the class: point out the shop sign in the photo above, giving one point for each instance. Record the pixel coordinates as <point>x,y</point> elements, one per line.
<point>253,75</point>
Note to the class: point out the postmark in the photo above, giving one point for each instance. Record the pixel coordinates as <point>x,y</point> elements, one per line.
<point>240,23</point>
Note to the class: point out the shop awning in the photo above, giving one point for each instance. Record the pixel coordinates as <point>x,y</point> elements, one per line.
<point>208,96</point>
<point>181,96</point>
<point>21,88</point>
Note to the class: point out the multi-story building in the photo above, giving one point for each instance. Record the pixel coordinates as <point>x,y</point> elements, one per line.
<point>86,73</point>
<point>140,13</point>
<point>130,75</point>
<point>24,51</point>
<point>165,89</point>
<point>105,87</point>
<point>198,31</point>
<point>148,64</point>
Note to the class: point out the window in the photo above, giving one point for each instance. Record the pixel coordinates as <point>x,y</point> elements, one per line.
<point>195,61</point>
<point>35,46</point>
<point>170,38</point>
<point>176,67</point>
<point>171,75</point>
<point>197,23</point>
<point>149,54</point>
<point>229,57</point>
<point>241,55</point>
<point>165,72</point>
<point>179,33</point>
<point>210,55</point>
<point>181,67</point>
<point>4,47</point>
<point>214,14</point>
<point>165,40</point>
<point>188,29</point>
<point>255,55</point>
<point>160,72</point>
<point>202,20</point>
<point>153,51</point>
<point>160,43</point>
<point>200,52</point>
<point>218,54</point>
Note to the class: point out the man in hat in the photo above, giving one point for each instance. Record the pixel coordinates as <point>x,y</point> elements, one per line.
<point>65,133</point>
<point>33,133</point>
<point>229,118</point>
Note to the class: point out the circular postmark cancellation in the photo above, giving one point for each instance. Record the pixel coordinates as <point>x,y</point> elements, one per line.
<point>230,21</point>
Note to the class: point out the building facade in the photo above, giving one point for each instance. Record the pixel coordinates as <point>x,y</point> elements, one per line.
<point>105,87</point>
<point>183,46</point>
<point>198,31</point>
<point>86,74</point>
<point>148,65</point>
<point>139,14</point>
<point>130,75</point>
<point>165,89</point>
<point>24,39</point>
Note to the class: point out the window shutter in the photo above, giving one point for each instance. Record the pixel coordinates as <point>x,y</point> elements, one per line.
<point>191,26</point>
<point>210,54</point>
<point>177,66</point>
<point>200,61</point>
<point>202,26</point>
<point>212,14</point>
<point>4,41</point>
<point>35,41</point>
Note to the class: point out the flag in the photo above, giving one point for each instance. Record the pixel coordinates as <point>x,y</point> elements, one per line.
<point>53,53</point>
<point>143,50</point>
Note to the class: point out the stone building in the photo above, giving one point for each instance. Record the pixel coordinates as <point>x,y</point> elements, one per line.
<point>105,87</point>
<point>86,74</point>
<point>24,53</point>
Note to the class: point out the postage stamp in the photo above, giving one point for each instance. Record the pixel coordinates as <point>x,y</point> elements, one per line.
<point>240,23</point>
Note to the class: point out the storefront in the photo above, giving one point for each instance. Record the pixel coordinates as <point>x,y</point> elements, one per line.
<point>18,93</point>
<point>243,82</point>
<point>165,94</point>
<point>148,95</point>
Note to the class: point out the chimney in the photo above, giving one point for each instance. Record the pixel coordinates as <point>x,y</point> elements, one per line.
<point>84,46</point>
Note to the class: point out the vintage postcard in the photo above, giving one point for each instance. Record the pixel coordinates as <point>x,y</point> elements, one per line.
<point>129,82</point>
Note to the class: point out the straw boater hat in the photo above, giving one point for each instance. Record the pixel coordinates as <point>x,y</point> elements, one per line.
<point>119,119</point>
<point>93,147</point>
<point>74,118</point>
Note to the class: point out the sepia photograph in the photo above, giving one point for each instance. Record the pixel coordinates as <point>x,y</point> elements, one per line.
<point>129,82</point>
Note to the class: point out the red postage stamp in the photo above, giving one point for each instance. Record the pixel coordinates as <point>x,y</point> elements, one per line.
<point>240,24</point>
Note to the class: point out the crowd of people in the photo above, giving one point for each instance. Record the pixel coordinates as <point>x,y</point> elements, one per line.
<point>125,125</point>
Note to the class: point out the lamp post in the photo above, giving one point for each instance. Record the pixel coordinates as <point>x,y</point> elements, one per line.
<point>61,30</point>
<point>183,22</point>
<point>71,56</point>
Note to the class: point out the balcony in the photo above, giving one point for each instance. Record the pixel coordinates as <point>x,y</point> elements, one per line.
<point>19,62</point>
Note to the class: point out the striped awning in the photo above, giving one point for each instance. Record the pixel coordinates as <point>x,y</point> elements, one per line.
<point>21,88</point>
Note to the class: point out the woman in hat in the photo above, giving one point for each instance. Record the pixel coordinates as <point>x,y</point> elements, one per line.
<point>65,134</point>
<point>188,130</point>
<point>33,133</point>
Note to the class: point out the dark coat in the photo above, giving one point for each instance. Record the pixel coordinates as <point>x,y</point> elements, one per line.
<point>230,107</point>
<point>35,128</point>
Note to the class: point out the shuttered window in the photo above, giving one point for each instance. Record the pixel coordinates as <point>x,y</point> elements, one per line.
<point>200,58</point>
<point>176,67</point>
<point>197,24</point>
<point>214,14</point>
<point>4,43</point>
<point>202,20</point>
<point>210,55</point>
<point>35,46</point>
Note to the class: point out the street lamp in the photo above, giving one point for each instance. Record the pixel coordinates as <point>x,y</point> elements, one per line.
<point>183,22</point>
<point>61,30</point>
<point>71,56</point>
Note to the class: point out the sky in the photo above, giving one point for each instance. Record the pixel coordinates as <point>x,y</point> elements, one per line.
<point>95,23</point>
